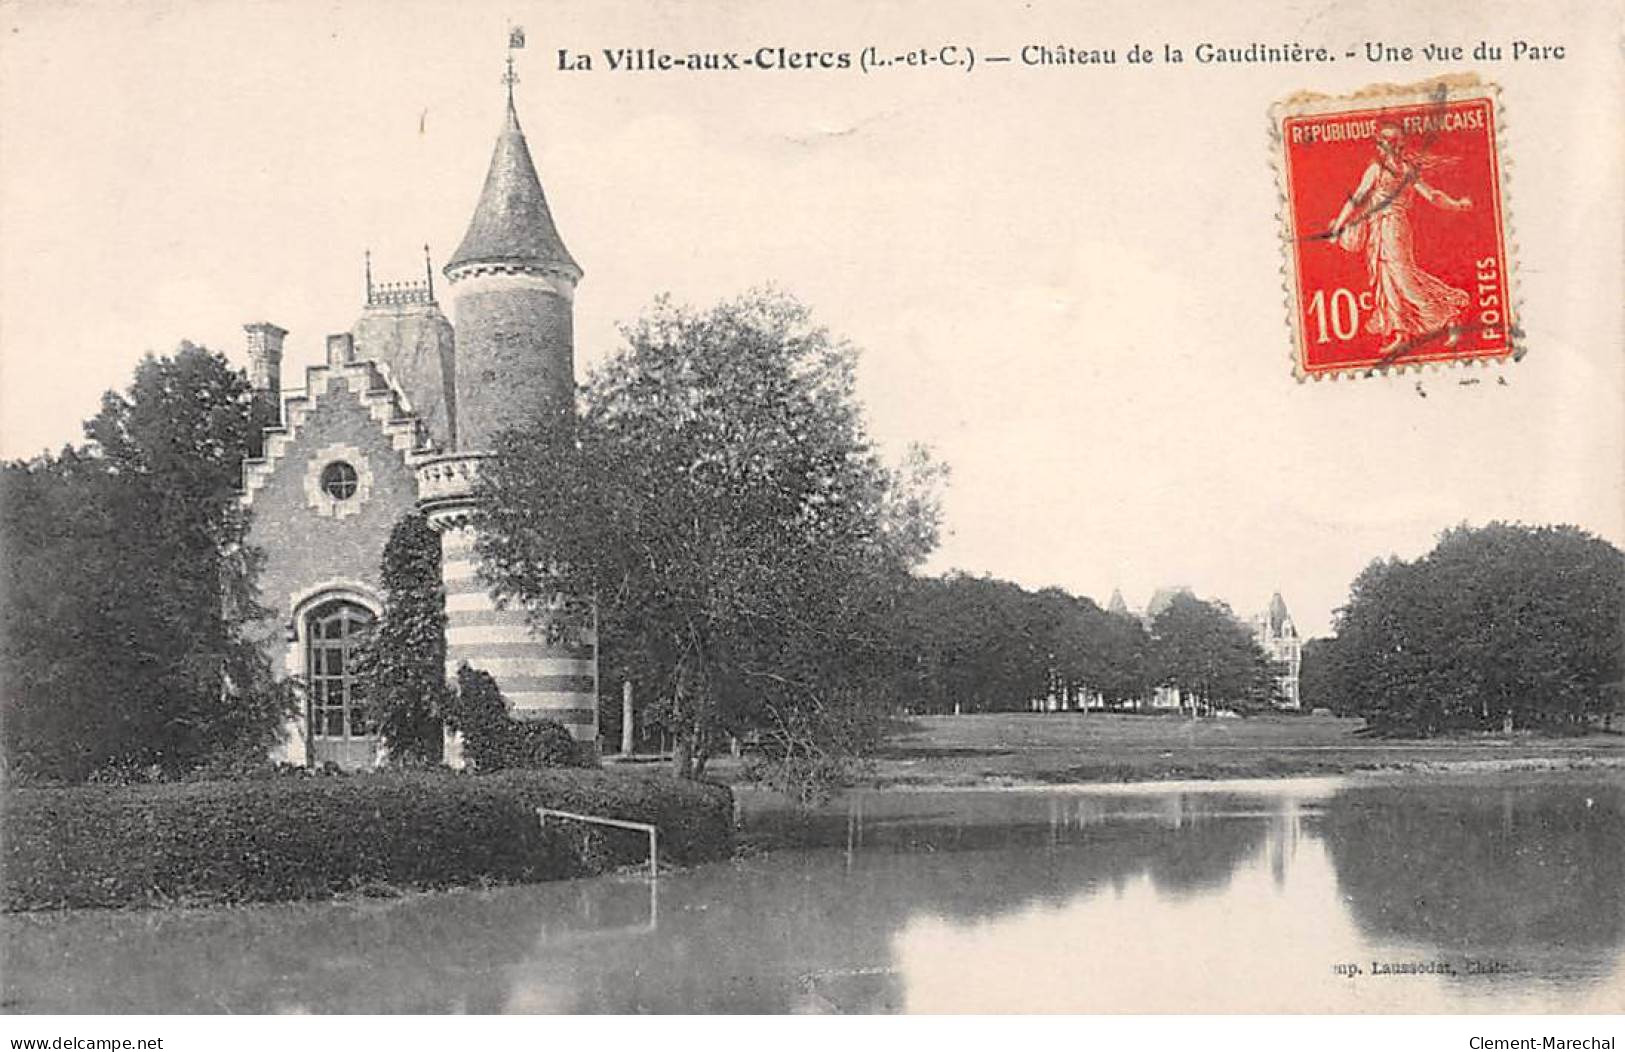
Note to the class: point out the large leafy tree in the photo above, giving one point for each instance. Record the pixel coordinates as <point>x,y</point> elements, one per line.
<point>128,583</point>
<point>1062,629</point>
<point>1201,649</point>
<point>984,644</point>
<point>1123,670</point>
<point>1318,676</point>
<point>1499,625</point>
<point>719,495</point>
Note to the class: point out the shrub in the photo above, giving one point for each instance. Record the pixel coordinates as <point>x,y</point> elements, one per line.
<point>304,837</point>
<point>546,743</point>
<point>495,741</point>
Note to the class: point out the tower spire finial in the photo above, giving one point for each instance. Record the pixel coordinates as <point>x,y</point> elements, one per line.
<point>510,78</point>
<point>428,271</point>
<point>367,256</point>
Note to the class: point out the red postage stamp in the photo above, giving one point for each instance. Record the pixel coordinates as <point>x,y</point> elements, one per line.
<point>1394,224</point>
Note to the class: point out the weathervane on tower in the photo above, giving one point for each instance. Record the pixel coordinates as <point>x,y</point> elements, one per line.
<point>516,41</point>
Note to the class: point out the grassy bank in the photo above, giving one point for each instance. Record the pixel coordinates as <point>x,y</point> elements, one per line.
<point>294,838</point>
<point>1070,747</point>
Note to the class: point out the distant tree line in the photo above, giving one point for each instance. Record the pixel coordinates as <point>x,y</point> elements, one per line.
<point>1500,627</point>
<point>979,644</point>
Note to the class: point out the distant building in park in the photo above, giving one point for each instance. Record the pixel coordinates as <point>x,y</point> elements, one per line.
<point>398,417</point>
<point>1278,637</point>
<point>1273,630</point>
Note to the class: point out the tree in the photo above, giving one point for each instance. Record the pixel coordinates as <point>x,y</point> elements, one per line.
<point>128,584</point>
<point>1124,672</point>
<point>405,664</point>
<point>720,497</point>
<point>979,644</point>
<point>1061,628</point>
<point>1318,676</point>
<point>1201,649</point>
<point>1500,626</point>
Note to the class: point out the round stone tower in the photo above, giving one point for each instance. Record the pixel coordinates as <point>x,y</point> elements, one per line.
<point>513,286</point>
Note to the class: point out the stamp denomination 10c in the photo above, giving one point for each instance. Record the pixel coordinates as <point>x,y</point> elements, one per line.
<point>1394,224</point>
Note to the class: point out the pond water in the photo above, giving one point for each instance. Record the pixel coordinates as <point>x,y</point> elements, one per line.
<point>1503,895</point>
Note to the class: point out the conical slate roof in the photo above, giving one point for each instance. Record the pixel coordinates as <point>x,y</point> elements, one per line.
<point>512,224</point>
<point>1278,614</point>
<point>1117,606</point>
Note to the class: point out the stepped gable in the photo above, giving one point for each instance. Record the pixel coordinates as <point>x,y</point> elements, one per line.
<point>367,381</point>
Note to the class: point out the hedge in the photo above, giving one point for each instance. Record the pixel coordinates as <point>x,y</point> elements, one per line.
<point>292,838</point>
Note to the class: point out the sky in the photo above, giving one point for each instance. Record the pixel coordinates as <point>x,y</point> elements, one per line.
<point>1066,281</point>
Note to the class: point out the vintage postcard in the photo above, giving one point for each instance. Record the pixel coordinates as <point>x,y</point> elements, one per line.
<point>722,509</point>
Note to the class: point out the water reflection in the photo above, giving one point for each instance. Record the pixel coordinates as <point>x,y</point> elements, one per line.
<point>1489,871</point>
<point>1132,900</point>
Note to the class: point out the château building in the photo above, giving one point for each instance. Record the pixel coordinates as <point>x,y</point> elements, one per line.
<point>397,418</point>
<point>1273,630</point>
<point>1278,637</point>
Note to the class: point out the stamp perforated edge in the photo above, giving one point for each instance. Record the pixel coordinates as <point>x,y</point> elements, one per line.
<point>1456,86</point>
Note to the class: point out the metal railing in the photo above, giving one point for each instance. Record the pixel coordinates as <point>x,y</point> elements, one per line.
<point>542,814</point>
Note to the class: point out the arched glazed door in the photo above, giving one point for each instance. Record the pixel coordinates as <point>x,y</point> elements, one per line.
<point>341,731</point>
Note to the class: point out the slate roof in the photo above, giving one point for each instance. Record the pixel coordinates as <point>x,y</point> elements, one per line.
<point>1278,616</point>
<point>1163,598</point>
<point>512,224</point>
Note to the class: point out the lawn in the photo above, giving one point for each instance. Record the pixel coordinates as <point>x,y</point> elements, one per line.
<point>1024,748</point>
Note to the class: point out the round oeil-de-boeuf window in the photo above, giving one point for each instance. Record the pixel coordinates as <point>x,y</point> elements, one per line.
<point>339,480</point>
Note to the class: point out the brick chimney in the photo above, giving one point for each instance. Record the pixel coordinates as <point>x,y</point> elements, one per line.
<point>340,349</point>
<point>265,357</point>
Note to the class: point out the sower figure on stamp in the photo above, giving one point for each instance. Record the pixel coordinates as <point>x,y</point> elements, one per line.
<point>1409,303</point>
